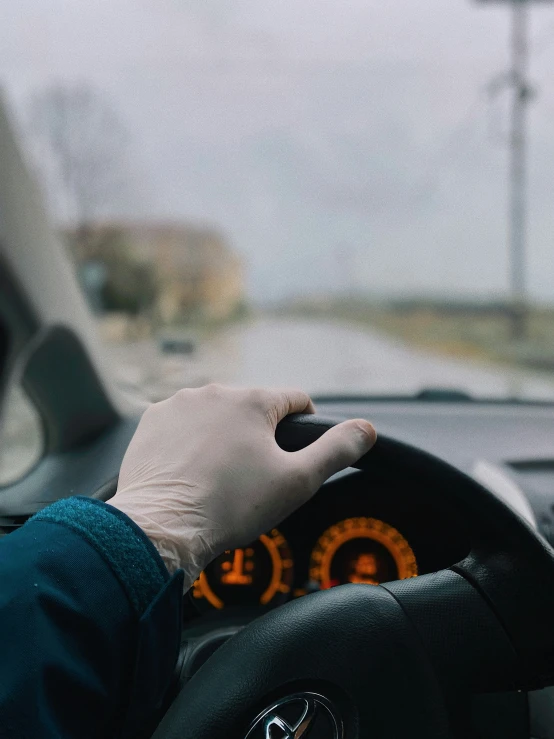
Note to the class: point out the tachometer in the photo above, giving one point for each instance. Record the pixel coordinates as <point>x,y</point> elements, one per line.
<point>361,550</point>
<point>259,574</point>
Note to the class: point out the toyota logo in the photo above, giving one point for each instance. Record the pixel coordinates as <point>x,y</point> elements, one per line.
<point>295,716</point>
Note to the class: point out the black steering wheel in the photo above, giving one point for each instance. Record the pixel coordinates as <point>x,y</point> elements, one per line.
<point>362,661</point>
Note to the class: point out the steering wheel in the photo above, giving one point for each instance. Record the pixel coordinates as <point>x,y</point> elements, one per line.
<point>386,661</point>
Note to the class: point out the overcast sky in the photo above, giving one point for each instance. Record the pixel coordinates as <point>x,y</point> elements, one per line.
<point>345,143</point>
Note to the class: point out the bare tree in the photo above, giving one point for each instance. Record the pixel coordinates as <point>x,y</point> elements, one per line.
<point>81,149</point>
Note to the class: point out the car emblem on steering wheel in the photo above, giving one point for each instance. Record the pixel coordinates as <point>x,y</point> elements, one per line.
<point>296,715</point>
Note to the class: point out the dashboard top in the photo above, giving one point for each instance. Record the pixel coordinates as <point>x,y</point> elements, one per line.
<point>459,432</point>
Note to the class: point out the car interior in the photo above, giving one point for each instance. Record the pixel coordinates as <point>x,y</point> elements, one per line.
<point>411,596</point>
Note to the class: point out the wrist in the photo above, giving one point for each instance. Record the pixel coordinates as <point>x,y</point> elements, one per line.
<point>181,547</point>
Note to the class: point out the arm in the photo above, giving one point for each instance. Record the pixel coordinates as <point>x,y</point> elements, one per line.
<point>90,625</point>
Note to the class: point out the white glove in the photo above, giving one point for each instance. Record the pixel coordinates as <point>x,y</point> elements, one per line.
<point>203,472</point>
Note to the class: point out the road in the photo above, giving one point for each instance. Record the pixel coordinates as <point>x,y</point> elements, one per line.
<point>322,357</point>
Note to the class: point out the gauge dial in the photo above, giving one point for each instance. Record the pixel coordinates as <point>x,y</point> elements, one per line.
<point>361,550</point>
<point>259,574</point>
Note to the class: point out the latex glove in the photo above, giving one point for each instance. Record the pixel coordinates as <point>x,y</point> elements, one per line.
<point>203,472</point>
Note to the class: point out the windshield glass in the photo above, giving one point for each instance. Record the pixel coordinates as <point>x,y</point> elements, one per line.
<point>349,197</point>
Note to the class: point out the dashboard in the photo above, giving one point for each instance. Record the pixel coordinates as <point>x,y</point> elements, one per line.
<point>356,529</point>
<point>381,526</point>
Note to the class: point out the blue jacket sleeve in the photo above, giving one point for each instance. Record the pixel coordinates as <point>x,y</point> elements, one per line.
<point>89,625</point>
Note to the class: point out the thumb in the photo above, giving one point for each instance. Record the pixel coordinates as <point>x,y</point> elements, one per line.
<point>339,447</point>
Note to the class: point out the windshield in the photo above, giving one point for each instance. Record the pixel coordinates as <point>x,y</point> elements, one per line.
<point>355,198</point>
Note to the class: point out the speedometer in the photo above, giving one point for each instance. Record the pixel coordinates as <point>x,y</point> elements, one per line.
<point>259,574</point>
<point>361,550</point>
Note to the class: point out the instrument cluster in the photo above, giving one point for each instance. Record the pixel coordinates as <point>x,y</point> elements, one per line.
<point>350,532</point>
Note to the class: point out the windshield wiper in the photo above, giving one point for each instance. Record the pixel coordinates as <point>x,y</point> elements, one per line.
<point>443,395</point>
<point>426,394</point>
<point>430,395</point>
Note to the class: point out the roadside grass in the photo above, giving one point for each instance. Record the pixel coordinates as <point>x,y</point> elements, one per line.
<point>478,331</point>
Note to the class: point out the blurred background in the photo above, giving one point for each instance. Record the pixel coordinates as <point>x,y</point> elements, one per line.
<point>356,197</point>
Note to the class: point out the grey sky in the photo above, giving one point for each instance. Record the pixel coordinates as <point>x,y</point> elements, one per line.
<point>336,143</point>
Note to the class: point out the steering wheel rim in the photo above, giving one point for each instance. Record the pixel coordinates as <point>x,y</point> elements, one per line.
<point>482,624</point>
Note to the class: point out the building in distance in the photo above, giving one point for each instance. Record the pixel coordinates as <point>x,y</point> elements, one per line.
<point>175,272</point>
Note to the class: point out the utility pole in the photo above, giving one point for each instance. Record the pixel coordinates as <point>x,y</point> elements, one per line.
<point>517,80</point>
<point>518,168</point>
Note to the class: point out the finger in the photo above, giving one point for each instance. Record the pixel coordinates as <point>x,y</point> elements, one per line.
<point>284,401</point>
<point>339,447</point>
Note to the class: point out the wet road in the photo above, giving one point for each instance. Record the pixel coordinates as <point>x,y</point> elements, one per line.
<point>323,358</point>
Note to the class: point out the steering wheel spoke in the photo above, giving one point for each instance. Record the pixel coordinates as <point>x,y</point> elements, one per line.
<point>459,630</point>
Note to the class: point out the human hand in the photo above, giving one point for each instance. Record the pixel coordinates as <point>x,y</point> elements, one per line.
<point>203,472</point>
